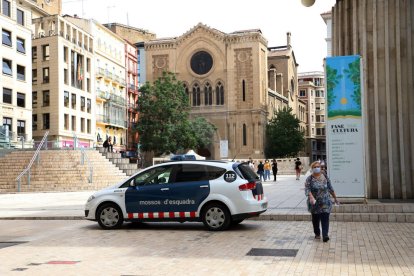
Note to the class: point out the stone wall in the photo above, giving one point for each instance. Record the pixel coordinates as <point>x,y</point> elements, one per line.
<point>382,33</point>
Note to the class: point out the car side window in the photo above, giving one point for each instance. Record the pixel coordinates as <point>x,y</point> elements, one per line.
<point>158,175</point>
<point>214,172</point>
<point>190,172</point>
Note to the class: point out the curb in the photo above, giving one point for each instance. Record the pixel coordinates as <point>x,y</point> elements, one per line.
<point>45,218</point>
<point>340,217</point>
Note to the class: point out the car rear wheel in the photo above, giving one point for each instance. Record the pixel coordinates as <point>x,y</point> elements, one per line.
<point>110,216</point>
<point>216,217</point>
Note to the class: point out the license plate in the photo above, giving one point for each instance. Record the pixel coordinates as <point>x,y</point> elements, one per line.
<point>264,205</point>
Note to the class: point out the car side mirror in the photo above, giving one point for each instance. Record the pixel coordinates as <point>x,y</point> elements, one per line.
<point>162,180</point>
<point>132,183</point>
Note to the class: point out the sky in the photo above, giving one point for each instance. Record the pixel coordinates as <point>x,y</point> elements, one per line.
<point>167,18</point>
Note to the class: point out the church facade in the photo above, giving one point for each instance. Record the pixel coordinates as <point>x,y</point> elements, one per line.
<point>225,76</point>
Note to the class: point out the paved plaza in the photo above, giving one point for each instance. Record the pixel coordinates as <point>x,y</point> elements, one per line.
<point>81,248</point>
<point>45,234</point>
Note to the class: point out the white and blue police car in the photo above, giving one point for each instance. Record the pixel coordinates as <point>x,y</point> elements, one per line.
<point>217,193</point>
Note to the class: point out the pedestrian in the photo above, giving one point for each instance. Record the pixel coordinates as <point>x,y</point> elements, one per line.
<point>108,145</point>
<point>318,189</point>
<point>260,170</point>
<point>324,168</point>
<point>251,165</point>
<point>298,168</point>
<point>267,168</point>
<point>274,169</point>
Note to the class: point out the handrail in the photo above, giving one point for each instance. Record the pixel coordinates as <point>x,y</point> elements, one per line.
<point>5,138</point>
<point>36,155</point>
<point>83,156</point>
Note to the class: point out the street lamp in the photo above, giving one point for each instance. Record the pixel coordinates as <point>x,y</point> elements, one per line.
<point>308,3</point>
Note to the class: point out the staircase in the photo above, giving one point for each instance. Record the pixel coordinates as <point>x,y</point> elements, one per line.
<point>121,162</point>
<point>58,170</point>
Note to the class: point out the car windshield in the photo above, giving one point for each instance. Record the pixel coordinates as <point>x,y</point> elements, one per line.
<point>247,172</point>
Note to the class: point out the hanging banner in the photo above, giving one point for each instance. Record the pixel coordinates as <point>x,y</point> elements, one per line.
<point>224,148</point>
<point>344,128</point>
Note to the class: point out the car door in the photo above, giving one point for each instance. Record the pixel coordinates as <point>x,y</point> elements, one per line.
<point>151,189</point>
<point>190,186</point>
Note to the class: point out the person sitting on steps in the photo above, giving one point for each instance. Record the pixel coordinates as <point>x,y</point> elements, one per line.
<point>108,145</point>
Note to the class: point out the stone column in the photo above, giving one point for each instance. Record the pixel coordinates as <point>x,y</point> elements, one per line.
<point>382,33</point>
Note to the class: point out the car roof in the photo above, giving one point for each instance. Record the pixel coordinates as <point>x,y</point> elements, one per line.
<point>206,162</point>
<point>220,163</point>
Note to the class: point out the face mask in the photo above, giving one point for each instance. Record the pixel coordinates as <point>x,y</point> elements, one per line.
<point>316,170</point>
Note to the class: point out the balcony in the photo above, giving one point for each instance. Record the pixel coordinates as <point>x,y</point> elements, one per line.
<point>110,121</point>
<point>122,82</point>
<point>132,88</point>
<point>132,71</point>
<point>100,72</point>
<point>132,125</point>
<point>132,106</point>
<point>117,99</point>
<point>100,118</point>
<point>102,94</point>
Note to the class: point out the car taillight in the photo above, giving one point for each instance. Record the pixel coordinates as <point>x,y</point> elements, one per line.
<point>247,186</point>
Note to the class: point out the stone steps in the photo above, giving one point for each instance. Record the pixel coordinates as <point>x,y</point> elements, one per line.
<point>344,217</point>
<point>371,212</point>
<point>58,170</point>
<point>122,163</point>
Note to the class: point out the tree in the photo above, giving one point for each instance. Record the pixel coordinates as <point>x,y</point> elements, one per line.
<point>283,137</point>
<point>203,131</point>
<point>164,124</point>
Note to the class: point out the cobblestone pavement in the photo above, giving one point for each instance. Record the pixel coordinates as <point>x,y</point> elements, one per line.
<point>81,248</point>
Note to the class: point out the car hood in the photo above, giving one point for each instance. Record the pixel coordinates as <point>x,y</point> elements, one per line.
<point>113,186</point>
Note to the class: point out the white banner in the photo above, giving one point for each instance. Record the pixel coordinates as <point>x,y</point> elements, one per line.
<point>224,148</point>
<point>345,128</point>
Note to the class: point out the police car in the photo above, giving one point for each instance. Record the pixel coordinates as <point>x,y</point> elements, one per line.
<point>217,193</point>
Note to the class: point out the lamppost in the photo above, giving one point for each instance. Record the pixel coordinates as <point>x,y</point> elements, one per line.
<point>308,3</point>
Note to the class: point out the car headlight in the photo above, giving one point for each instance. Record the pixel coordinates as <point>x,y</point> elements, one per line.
<point>92,197</point>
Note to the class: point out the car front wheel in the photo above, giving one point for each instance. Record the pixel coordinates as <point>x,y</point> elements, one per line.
<point>216,217</point>
<point>110,216</point>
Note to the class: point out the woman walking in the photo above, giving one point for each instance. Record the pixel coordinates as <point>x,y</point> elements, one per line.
<point>318,189</point>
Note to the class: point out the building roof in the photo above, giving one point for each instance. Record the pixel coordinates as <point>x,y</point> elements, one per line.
<point>213,31</point>
<point>128,27</point>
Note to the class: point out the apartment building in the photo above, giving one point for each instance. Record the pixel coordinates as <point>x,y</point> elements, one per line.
<point>135,63</point>
<point>15,80</point>
<point>110,84</point>
<point>131,55</point>
<point>327,18</point>
<point>63,86</point>
<point>312,92</point>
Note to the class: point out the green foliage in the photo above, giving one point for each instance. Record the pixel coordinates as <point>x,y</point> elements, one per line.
<point>332,81</point>
<point>283,137</point>
<point>164,124</point>
<point>163,120</point>
<point>354,74</point>
<point>203,131</point>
